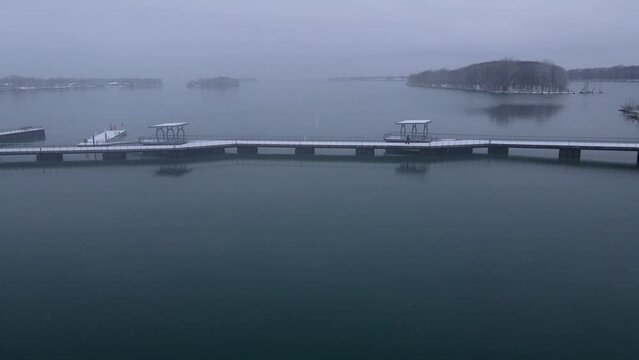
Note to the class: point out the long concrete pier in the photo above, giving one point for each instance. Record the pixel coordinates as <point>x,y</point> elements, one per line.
<point>567,149</point>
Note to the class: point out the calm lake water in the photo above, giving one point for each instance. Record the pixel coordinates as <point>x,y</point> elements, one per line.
<point>277,256</point>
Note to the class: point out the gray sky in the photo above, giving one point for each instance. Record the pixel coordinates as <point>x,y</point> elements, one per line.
<point>298,39</point>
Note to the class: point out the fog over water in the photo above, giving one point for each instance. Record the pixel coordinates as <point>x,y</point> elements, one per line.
<point>304,40</point>
<point>325,256</point>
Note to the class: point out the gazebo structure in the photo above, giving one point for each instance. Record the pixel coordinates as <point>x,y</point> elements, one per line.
<point>170,131</point>
<point>418,132</point>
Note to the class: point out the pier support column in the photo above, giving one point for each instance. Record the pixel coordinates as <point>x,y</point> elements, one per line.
<point>174,153</point>
<point>114,156</point>
<point>247,149</point>
<point>364,152</point>
<point>206,151</point>
<point>430,152</point>
<point>459,150</point>
<point>304,150</point>
<point>49,157</point>
<point>434,151</point>
<point>569,154</point>
<point>498,151</point>
<point>637,158</point>
<point>446,151</point>
<point>397,151</point>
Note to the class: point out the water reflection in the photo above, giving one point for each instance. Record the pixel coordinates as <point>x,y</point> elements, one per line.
<point>505,113</point>
<point>412,168</point>
<point>401,164</point>
<point>630,118</point>
<point>173,170</point>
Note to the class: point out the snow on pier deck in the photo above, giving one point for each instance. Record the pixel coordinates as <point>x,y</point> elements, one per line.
<point>567,148</point>
<point>25,134</point>
<point>104,137</point>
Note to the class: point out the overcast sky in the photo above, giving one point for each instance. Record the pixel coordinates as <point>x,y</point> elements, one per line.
<point>298,39</point>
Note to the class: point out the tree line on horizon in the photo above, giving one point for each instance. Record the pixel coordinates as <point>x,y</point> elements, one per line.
<point>29,83</point>
<point>212,83</point>
<point>614,73</point>
<point>503,76</point>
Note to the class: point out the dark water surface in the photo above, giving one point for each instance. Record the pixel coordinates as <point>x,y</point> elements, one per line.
<point>333,258</point>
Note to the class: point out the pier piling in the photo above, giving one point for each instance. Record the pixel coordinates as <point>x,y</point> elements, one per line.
<point>365,152</point>
<point>461,150</point>
<point>569,154</point>
<point>49,157</point>
<point>304,150</point>
<point>206,151</point>
<point>113,156</point>
<point>247,149</point>
<point>498,150</point>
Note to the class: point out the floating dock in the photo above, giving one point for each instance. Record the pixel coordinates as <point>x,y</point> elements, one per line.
<point>22,135</point>
<point>413,138</point>
<point>567,149</point>
<point>104,138</point>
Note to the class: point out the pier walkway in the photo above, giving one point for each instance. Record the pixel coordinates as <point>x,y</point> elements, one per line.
<point>567,148</point>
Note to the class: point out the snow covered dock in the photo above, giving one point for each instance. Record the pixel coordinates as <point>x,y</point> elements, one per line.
<point>25,134</point>
<point>497,146</point>
<point>104,138</point>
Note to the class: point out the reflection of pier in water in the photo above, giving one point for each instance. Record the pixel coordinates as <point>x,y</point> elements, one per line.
<point>165,166</point>
<point>412,168</point>
<point>173,170</point>
<point>505,113</point>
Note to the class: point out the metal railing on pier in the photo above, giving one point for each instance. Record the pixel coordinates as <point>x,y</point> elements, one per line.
<point>601,139</point>
<point>435,139</point>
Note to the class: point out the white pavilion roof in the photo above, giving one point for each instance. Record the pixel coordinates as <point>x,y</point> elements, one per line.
<point>171,124</point>
<point>414,122</point>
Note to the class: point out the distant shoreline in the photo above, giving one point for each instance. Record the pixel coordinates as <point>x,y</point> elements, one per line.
<point>62,88</point>
<point>18,83</point>
<point>605,80</point>
<point>220,82</point>
<point>370,78</point>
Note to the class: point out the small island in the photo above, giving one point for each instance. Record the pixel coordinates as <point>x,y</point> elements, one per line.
<point>220,82</point>
<point>499,77</point>
<point>17,83</point>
